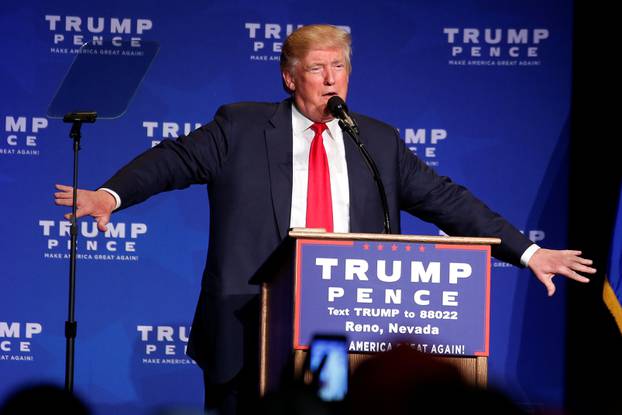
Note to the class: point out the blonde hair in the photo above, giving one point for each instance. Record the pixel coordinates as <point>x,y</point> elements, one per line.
<point>317,36</point>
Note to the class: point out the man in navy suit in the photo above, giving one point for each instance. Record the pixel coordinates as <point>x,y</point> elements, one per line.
<point>254,159</point>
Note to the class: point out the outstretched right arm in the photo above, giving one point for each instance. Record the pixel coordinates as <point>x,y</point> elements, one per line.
<point>195,158</point>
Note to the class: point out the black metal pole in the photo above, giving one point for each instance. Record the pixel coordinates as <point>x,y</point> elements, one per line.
<point>71,326</point>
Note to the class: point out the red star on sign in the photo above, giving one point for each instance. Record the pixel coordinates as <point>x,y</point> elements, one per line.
<point>408,248</point>
<point>366,247</point>
<point>380,247</point>
<point>393,247</point>
<point>421,248</point>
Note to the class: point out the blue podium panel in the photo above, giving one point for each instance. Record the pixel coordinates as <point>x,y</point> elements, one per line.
<point>382,293</point>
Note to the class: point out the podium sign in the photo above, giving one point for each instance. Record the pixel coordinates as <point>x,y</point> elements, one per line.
<point>432,292</point>
<point>434,296</point>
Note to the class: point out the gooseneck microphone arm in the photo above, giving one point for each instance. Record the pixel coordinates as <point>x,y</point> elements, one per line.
<point>338,108</point>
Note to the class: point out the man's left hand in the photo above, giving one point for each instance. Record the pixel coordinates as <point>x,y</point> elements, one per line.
<point>546,263</point>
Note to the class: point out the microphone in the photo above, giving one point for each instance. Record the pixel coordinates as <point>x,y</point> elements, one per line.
<point>338,108</point>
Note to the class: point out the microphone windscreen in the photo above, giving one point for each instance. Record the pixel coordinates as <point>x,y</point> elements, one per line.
<point>336,106</point>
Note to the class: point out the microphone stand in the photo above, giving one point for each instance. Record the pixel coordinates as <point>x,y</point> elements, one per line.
<point>353,133</point>
<point>71,326</point>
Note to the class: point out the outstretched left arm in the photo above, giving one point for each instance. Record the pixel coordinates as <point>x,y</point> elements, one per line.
<point>546,263</point>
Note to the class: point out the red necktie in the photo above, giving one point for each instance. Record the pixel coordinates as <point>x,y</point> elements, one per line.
<point>319,202</point>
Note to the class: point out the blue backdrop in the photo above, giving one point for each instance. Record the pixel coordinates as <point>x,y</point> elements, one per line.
<point>479,89</point>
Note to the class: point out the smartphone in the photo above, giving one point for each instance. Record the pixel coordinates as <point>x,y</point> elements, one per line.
<point>328,363</point>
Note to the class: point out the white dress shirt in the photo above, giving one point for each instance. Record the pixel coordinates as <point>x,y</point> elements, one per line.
<point>339,185</point>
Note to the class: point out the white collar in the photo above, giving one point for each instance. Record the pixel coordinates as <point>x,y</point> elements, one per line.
<point>300,123</point>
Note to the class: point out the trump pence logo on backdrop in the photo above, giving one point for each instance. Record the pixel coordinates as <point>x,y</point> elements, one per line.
<point>495,46</point>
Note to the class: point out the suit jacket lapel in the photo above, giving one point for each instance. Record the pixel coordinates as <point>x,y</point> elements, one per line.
<point>278,136</point>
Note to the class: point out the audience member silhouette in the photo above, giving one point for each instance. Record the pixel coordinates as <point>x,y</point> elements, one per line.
<point>404,381</point>
<point>43,399</point>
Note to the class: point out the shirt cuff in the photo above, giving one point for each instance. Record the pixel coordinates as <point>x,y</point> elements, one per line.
<point>524,259</point>
<point>117,199</point>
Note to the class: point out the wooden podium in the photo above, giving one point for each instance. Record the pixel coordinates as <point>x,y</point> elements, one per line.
<point>307,282</point>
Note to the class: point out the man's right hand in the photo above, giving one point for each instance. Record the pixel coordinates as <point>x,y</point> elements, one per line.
<point>98,204</point>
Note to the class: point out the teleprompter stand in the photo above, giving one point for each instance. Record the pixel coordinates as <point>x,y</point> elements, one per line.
<point>71,326</point>
<point>100,83</point>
